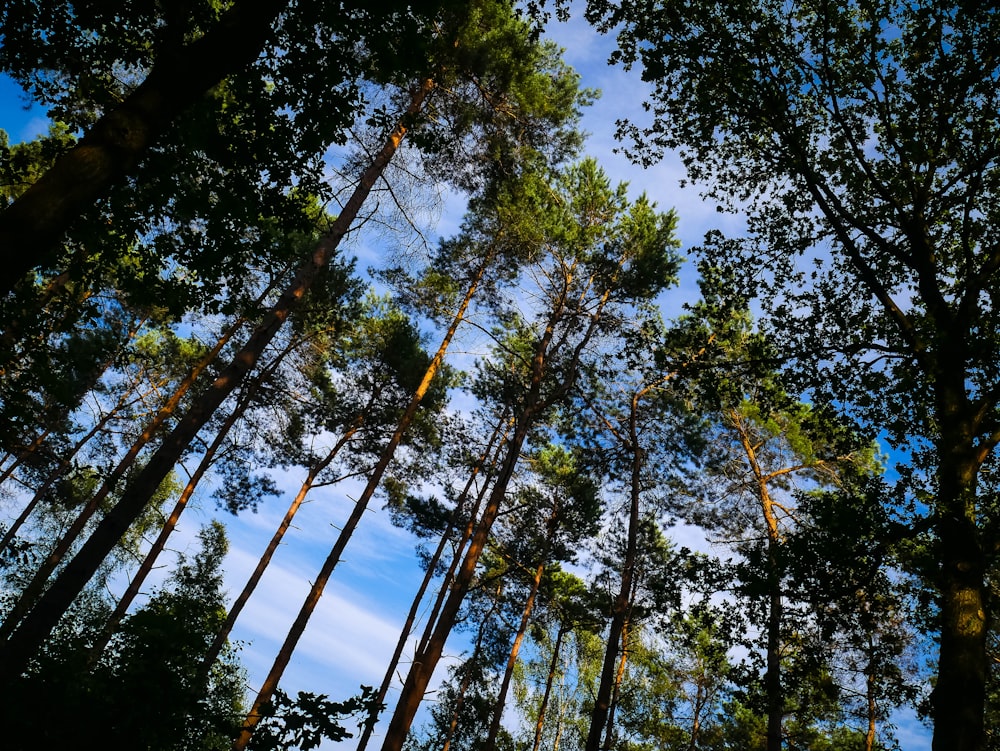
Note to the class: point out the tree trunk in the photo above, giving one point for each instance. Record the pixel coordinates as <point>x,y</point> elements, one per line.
<point>870,693</point>
<point>773,690</point>
<point>616,691</point>
<point>32,226</point>
<point>620,610</point>
<point>959,697</point>
<point>515,648</point>
<point>411,616</point>
<point>36,627</point>
<point>549,680</point>
<point>467,677</point>
<point>772,676</point>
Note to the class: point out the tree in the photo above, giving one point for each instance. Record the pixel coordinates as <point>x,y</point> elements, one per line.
<point>140,79</point>
<point>600,256</point>
<point>860,140</point>
<point>154,660</point>
<point>566,503</point>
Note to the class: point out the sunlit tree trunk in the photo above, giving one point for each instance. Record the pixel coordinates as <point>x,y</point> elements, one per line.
<point>609,731</point>
<point>466,681</point>
<point>248,589</point>
<point>549,681</point>
<point>411,616</point>
<point>772,677</point>
<point>522,628</point>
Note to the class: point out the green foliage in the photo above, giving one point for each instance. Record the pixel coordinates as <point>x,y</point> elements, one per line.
<point>154,661</point>
<point>309,719</point>
<point>23,163</point>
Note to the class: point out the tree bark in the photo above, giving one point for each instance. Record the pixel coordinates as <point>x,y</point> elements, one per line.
<point>31,227</point>
<point>491,736</point>
<point>959,698</point>
<point>37,625</point>
<point>773,691</point>
<point>616,691</point>
<point>622,603</point>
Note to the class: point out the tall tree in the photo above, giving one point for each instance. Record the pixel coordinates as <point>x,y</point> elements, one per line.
<point>565,504</point>
<point>761,449</point>
<point>860,139</point>
<point>600,256</point>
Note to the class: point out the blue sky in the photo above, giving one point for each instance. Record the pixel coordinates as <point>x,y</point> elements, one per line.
<point>354,629</point>
<point>22,119</point>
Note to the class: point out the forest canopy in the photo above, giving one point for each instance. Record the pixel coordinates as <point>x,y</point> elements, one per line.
<point>765,522</point>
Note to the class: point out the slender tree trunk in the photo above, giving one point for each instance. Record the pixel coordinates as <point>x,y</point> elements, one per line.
<point>549,680</point>
<point>37,625</point>
<point>265,560</point>
<point>467,677</point>
<point>31,227</point>
<point>698,706</point>
<point>620,609</point>
<point>491,736</point>
<point>870,695</point>
<point>41,576</point>
<point>773,690</point>
<point>772,677</point>
<point>411,616</point>
<point>609,731</point>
